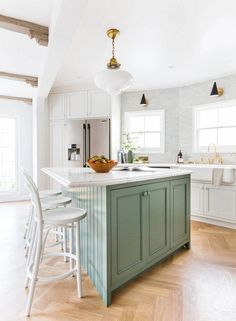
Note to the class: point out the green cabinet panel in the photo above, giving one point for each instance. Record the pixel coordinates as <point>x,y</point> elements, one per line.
<point>158,220</point>
<point>127,232</point>
<point>140,228</point>
<point>180,211</point>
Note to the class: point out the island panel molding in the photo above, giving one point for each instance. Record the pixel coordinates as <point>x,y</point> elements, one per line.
<point>33,30</point>
<point>33,81</point>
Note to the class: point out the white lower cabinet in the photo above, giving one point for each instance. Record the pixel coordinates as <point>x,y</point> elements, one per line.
<point>214,202</point>
<point>219,201</point>
<point>197,198</point>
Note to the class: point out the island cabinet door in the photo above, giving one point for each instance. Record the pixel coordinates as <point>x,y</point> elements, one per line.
<point>157,220</point>
<point>180,212</point>
<point>127,233</point>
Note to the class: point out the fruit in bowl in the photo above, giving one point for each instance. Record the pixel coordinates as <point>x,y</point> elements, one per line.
<point>101,164</point>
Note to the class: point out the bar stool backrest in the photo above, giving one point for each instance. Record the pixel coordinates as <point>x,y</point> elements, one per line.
<point>34,195</point>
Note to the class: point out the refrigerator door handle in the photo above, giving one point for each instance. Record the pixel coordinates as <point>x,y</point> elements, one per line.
<point>84,145</point>
<point>89,142</point>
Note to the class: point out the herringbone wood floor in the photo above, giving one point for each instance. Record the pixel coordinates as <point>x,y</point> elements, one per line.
<point>193,285</point>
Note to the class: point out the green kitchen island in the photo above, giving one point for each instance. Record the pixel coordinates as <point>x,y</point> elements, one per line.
<point>135,219</point>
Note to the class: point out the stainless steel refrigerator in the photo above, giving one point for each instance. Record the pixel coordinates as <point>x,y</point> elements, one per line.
<point>88,137</point>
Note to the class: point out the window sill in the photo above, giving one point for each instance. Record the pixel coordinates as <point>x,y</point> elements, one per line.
<point>139,152</point>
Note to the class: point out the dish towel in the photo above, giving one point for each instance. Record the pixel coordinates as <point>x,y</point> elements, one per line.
<point>228,176</point>
<point>217,176</point>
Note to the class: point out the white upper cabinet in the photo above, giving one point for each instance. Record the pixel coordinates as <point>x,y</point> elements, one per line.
<point>77,105</point>
<point>98,104</point>
<point>57,106</point>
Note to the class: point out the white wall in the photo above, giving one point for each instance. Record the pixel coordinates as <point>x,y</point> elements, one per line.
<point>178,103</point>
<point>41,141</point>
<point>167,99</point>
<point>115,125</point>
<point>24,113</point>
<point>198,94</point>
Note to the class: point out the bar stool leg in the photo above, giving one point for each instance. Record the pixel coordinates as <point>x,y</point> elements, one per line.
<point>31,258</point>
<point>34,277</point>
<point>78,268</point>
<point>71,246</point>
<point>65,247</point>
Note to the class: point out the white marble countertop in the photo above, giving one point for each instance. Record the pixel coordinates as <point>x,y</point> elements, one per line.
<point>175,165</point>
<point>77,176</point>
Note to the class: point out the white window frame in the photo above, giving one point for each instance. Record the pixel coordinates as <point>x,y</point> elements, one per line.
<point>159,112</point>
<point>17,163</point>
<point>195,110</point>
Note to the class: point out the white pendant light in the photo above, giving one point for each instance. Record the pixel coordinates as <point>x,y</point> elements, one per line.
<point>112,79</point>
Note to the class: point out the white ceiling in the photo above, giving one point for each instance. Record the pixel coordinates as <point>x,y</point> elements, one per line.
<point>19,54</point>
<point>37,11</point>
<point>162,43</point>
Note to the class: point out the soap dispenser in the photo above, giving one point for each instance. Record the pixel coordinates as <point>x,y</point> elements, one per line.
<point>180,158</point>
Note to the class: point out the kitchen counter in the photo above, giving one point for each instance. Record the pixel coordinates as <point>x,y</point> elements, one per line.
<point>76,177</point>
<point>175,165</point>
<point>135,219</point>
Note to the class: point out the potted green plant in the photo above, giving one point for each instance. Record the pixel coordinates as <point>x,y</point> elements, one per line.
<point>129,145</point>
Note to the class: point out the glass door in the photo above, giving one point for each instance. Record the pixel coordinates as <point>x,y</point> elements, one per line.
<point>8,155</point>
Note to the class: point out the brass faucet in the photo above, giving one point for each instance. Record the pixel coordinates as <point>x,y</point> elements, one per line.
<point>216,159</point>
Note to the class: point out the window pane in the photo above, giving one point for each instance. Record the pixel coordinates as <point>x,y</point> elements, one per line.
<point>208,118</point>
<point>138,139</point>
<point>136,124</point>
<point>227,136</point>
<point>207,136</point>
<point>152,140</point>
<point>152,123</point>
<point>227,116</point>
<point>7,154</point>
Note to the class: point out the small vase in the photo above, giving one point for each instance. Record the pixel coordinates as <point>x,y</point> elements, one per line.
<point>130,156</point>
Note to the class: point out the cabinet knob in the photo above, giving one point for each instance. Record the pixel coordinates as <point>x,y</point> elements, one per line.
<point>146,193</point>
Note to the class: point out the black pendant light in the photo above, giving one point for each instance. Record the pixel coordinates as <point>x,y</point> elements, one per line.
<point>216,91</point>
<point>143,101</point>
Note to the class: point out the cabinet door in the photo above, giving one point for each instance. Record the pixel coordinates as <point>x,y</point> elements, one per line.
<point>219,202</point>
<point>197,191</point>
<point>77,105</point>
<point>57,147</point>
<point>180,212</point>
<point>158,220</point>
<point>57,106</point>
<point>127,233</point>
<point>99,104</point>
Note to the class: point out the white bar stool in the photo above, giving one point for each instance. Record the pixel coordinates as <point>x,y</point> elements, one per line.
<point>60,217</point>
<point>43,195</point>
<point>47,204</point>
<point>49,193</point>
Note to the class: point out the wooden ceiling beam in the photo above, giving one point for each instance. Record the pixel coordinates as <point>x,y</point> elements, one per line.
<point>22,99</point>
<point>33,81</point>
<point>33,30</point>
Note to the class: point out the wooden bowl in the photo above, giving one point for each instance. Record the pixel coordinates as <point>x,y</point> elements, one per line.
<point>101,167</point>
